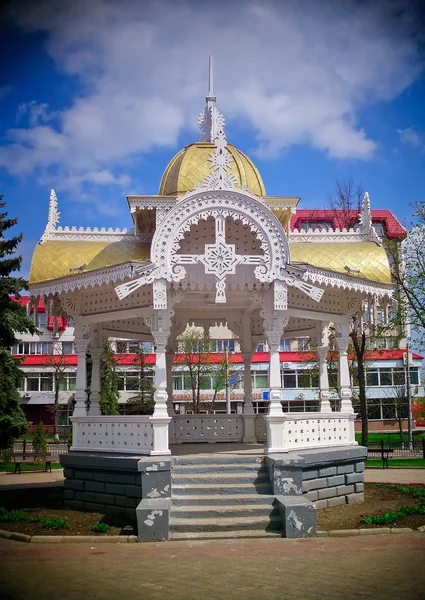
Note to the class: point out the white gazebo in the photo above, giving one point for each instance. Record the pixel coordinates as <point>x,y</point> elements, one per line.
<point>210,249</point>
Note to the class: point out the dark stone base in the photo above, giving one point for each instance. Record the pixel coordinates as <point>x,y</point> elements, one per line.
<point>117,484</point>
<point>323,478</point>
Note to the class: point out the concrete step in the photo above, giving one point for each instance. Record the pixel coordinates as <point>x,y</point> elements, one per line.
<point>217,535</point>
<point>222,500</point>
<point>222,459</point>
<point>225,510</point>
<point>221,488</point>
<point>207,478</point>
<point>272,523</point>
<point>221,468</point>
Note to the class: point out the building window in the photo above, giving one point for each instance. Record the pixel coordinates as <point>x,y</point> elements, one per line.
<point>260,347</point>
<point>222,345</point>
<point>130,380</point>
<point>67,382</point>
<point>285,345</point>
<point>42,321</point>
<point>33,348</point>
<point>300,379</point>
<point>68,348</point>
<point>121,347</point>
<point>316,224</point>
<point>304,344</point>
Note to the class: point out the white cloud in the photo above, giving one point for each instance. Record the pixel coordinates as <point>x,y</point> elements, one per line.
<point>294,72</point>
<point>34,111</point>
<point>410,137</point>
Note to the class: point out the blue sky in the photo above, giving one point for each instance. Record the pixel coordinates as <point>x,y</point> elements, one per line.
<point>96,97</point>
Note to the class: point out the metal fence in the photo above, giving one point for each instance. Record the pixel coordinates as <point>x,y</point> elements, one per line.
<point>398,448</point>
<point>55,449</point>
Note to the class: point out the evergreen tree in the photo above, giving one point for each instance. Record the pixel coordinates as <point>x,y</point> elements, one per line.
<point>39,442</point>
<point>142,403</point>
<point>108,381</point>
<point>13,316</point>
<point>12,419</point>
<point>13,320</point>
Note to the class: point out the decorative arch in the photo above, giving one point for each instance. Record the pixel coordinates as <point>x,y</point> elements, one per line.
<point>220,258</point>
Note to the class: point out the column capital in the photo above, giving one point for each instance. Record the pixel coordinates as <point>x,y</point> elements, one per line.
<point>95,353</point>
<point>322,352</point>
<point>342,343</point>
<point>160,339</point>
<point>273,339</point>
<point>81,345</point>
<point>246,357</point>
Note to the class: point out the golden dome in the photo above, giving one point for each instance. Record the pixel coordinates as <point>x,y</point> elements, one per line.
<point>191,165</point>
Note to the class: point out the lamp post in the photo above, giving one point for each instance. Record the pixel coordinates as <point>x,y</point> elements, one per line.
<point>409,398</point>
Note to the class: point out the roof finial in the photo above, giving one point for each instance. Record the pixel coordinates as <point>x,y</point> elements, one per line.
<point>210,120</point>
<point>53,218</point>
<point>210,96</point>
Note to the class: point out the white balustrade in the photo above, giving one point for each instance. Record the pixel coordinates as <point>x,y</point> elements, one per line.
<point>133,434</point>
<point>260,428</point>
<point>206,428</point>
<point>296,431</point>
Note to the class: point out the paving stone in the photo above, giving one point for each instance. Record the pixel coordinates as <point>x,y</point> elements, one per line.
<point>342,469</point>
<point>320,504</point>
<point>133,490</point>
<point>336,501</point>
<point>310,474</point>
<point>327,493</point>
<point>73,484</point>
<point>85,496</point>
<point>354,498</point>
<point>359,487</point>
<point>336,480</point>
<point>46,539</point>
<point>95,486</point>
<point>69,494</point>
<point>359,467</point>
<point>83,474</point>
<point>313,495</point>
<point>354,478</point>
<point>314,484</point>
<point>115,488</point>
<point>94,507</point>
<point>344,532</point>
<point>105,498</point>
<point>375,531</point>
<point>342,490</point>
<point>327,471</point>
<point>68,473</point>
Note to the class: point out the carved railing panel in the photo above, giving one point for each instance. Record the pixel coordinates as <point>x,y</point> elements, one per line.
<point>207,428</point>
<point>112,434</point>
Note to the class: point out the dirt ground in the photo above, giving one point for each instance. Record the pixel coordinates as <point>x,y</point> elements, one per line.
<point>49,502</point>
<point>380,499</point>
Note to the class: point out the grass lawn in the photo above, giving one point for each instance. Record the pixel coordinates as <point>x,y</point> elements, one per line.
<point>7,467</point>
<point>397,462</point>
<point>374,439</point>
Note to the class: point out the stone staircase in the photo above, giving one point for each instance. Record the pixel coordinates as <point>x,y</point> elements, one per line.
<point>222,497</point>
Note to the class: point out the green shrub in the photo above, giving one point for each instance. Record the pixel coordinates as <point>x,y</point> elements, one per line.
<point>52,522</point>
<point>39,442</point>
<point>12,516</point>
<point>101,528</point>
<point>392,517</point>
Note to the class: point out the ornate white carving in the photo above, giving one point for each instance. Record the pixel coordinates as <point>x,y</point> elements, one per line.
<point>345,282</point>
<point>280,296</point>
<point>203,428</point>
<point>160,294</point>
<point>365,222</point>
<point>158,203</point>
<point>112,434</point>
<point>74,234</point>
<point>90,279</point>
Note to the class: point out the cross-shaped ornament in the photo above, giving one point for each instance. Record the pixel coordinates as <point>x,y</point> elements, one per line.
<point>220,259</point>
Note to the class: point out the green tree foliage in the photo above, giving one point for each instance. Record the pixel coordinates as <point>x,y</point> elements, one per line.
<point>13,316</point>
<point>12,419</point>
<point>13,320</point>
<point>196,349</point>
<point>39,442</point>
<point>142,403</point>
<point>408,271</point>
<point>108,381</point>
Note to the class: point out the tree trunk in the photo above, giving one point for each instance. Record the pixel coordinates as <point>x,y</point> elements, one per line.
<point>56,415</point>
<point>359,349</point>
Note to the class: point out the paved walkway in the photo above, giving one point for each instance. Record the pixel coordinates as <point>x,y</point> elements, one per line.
<point>55,478</point>
<point>29,479</point>
<point>378,567</point>
<point>395,476</point>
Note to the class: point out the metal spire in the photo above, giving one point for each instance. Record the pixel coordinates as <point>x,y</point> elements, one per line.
<point>210,98</point>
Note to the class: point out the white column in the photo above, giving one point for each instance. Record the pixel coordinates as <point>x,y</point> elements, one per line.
<point>81,345</point>
<point>344,374</point>
<point>325,405</point>
<point>169,362</point>
<point>275,381</point>
<point>160,419</point>
<point>95,382</point>
<point>248,409</point>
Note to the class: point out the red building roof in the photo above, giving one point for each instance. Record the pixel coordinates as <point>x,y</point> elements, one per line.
<point>215,358</point>
<point>393,228</point>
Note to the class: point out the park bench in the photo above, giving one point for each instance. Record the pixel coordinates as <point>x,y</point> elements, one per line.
<point>32,457</point>
<point>383,451</point>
